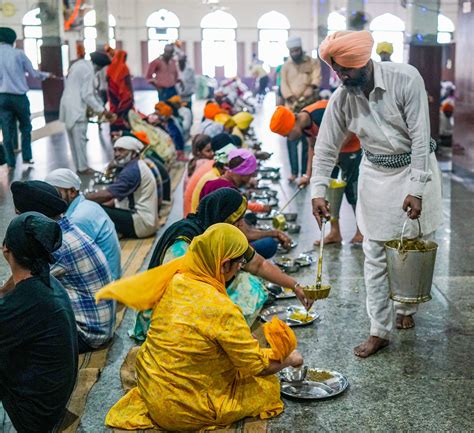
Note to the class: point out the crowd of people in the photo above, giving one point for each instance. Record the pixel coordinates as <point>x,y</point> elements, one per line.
<point>199,366</point>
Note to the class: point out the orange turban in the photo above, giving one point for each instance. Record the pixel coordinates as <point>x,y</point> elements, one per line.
<point>164,109</point>
<point>142,136</point>
<point>211,110</point>
<point>283,121</point>
<point>176,99</point>
<point>280,337</point>
<point>347,48</point>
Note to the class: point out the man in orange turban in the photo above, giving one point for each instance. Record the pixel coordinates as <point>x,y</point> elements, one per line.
<point>385,105</point>
<point>163,110</point>
<point>211,110</point>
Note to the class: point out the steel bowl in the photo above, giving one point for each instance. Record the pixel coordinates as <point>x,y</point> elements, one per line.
<point>293,228</point>
<point>290,216</point>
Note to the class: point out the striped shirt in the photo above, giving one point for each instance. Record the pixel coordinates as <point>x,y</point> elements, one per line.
<point>82,269</point>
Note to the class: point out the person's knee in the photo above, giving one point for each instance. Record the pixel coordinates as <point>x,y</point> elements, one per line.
<point>266,247</point>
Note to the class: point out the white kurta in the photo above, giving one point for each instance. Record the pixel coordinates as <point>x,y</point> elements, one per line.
<point>78,94</point>
<point>394,120</point>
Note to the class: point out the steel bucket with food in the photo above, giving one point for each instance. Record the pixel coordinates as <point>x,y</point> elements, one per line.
<point>410,266</point>
<point>334,196</point>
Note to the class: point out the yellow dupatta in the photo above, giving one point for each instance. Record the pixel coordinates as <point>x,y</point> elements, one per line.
<point>202,261</point>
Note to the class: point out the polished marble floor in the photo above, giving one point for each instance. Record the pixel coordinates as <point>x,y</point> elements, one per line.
<point>421,383</point>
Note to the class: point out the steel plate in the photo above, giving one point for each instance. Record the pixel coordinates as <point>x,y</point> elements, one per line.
<point>284,313</point>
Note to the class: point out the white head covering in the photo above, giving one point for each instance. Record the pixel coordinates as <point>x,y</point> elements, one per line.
<point>294,42</point>
<point>222,155</point>
<point>129,143</point>
<point>64,178</point>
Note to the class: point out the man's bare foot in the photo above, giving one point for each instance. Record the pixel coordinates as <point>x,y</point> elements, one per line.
<point>331,238</point>
<point>292,178</point>
<point>357,239</point>
<point>405,322</point>
<point>370,347</point>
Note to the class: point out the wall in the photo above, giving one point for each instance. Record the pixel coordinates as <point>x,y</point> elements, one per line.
<point>463,140</point>
<point>131,17</point>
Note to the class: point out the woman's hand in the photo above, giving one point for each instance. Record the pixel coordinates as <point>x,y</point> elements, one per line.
<point>307,303</point>
<point>283,238</point>
<point>294,359</point>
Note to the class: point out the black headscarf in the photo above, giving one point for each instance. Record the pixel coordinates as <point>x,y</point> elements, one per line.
<point>223,205</point>
<point>221,140</point>
<point>32,238</point>
<point>7,35</point>
<point>100,59</point>
<point>37,196</point>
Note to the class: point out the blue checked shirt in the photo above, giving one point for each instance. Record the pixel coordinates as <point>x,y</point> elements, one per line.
<point>82,269</point>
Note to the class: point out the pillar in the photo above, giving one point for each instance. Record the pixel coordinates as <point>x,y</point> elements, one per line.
<point>102,23</point>
<point>51,56</point>
<point>425,53</point>
<point>322,9</point>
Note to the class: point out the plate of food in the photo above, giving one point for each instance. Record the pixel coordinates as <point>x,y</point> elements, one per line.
<point>312,383</point>
<point>294,315</point>
<point>280,292</point>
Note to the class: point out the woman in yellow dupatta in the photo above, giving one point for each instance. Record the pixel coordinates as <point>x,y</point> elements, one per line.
<point>199,368</point>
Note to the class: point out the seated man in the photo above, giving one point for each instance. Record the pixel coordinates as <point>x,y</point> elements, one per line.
<point>38,338</point>
<point>131,201</point>
<point>88,216</point>
<point>80,265</point>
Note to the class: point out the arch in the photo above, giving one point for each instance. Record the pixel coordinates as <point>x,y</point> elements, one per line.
<point>273,20</point>
<point>90,18</point>
<point>336,22</point>
<point>112,21</point>
<point>387,23</point>
<point>163,18</point>
<point>445,24</point>
<point>32,18</point>
<point>218,20</point>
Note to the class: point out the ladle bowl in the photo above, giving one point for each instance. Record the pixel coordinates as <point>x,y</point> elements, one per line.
<point>316,292</point>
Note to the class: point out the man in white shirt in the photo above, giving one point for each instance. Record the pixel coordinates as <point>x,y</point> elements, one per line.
<point>78,96</point>
<point>386,106</point>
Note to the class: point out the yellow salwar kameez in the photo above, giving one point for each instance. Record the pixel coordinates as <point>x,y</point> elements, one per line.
<point>198,368</point>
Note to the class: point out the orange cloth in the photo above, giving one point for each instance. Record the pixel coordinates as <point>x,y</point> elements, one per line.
<point>118,69</point>
<point>211,110</point>
<point>352,144</point>
<point>142,136</point>
<point>164,109</point>
<point>280,337</point>
<point>191,185</point>
<point>176,99</point>
<point>283,121</point>
<point>447,107</point>
<point>347,48</point>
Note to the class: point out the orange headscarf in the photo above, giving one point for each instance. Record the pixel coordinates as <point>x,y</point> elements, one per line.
<point>280,337</point>
<point>211,110</point>
<point>348,49</point>
<point>283,121</point>
<point>164,109</point>
<point>118,69</point>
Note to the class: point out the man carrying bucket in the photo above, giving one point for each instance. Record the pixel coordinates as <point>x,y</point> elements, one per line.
<point>386,106</point>
<point>307,122</point>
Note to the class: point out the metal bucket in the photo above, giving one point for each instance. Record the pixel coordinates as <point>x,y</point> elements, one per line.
<point>334,196</point>
<point>410,271</point>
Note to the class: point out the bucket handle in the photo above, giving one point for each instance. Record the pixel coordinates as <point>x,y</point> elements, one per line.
<point>420,234</point>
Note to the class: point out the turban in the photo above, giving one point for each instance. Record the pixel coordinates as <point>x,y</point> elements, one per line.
<point>33,236</point>
<point>447,107</point>
<point>142,136</point>
<point>176,99</point>
<point>283,121</point>
<point>211,110</point>
<point>64,178</point>
<point>249,164</point>
<point>280,337</point>
<point>100,59</point>
<point>129,143</point>
<point>347,48</point>
<point>225,119</point>
<point>164,109</point>
<point>294,42</point>
<point>7,35</point>
<point>220,140</point>
<point>37,196</point>
<point>222,155</point>
<point>243,120</point>
<point>384,47</point>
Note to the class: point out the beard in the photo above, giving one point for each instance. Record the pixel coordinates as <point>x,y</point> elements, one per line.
<point>353,85</point>
<point>122,162</point>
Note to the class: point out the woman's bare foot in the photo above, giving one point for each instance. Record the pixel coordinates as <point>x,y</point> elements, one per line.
<point>370,347</point>
<point>331,238</point>
<point>404,322</point>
